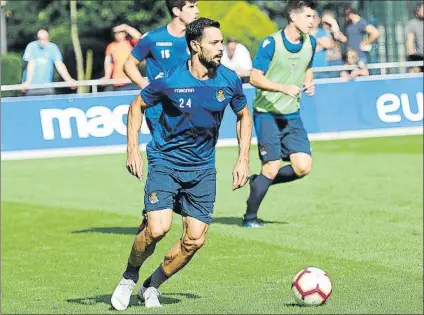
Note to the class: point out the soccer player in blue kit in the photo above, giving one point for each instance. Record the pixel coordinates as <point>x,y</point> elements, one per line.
<point>181,156</point>
<point>162,49</point>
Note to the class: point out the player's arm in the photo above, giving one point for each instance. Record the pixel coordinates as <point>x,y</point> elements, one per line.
<point>261,66</point>
<point>150,96</point>
<point>138,54</point>
<point>244,133</point>
<point>241,171</point>
<point>132,72</point>
<point>239,106</point>
<point>134,122</point>
<point>259,80</point>
<point>308,81</point>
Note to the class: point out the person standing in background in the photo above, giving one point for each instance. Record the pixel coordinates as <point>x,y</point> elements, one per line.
<point>334,54</point>
<point>359,33</point>
<point>237,58</point>
<point>324,42</point>
<point>117,53</point>
<point>41,57</point>
<point>414,38</point>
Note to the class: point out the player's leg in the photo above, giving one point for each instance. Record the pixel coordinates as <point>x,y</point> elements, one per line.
<point>158,200</point>
<point>157,225</point>
<point>177,257</point>
<point>197,208</point>
<point>268,132</point>
<point>296,149</point>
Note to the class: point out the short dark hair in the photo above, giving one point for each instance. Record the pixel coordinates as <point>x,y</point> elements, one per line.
<point>196,29</point>
<point>293,5</point>
<point>170,4</point>
<point>348,9</point>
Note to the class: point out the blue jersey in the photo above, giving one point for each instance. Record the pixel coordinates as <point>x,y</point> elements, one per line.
<point>267,48</point>
<point>162,51</point>
<point>193,109</point>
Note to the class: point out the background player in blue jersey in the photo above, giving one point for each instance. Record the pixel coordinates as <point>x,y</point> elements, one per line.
<point>194,96</point>
<point>162,49</point>
<point>281,70</point>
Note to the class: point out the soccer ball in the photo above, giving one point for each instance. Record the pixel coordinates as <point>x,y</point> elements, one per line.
<point>311,287</point>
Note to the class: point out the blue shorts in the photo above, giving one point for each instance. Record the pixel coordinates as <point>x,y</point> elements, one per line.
<point>279,136</point>
<point>193,191</point>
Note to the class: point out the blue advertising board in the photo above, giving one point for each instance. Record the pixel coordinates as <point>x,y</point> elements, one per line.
<point>96,120</point>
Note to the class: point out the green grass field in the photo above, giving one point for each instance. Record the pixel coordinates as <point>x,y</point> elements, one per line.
<point>68,225</point>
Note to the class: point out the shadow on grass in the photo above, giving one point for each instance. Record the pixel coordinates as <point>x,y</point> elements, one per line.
<point>110,230</point>
<point>133,230</point>
<point>238,221</point>
<point>292,305</point>
<point>165,299</point>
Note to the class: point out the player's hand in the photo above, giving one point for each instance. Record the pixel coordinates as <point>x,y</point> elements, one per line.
<point>241,174</point>
<point>309,89</point>
<point>135,164</point>
<point>292,90</point>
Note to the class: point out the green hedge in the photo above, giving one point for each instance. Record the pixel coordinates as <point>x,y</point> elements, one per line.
<point>11,72</point>
<point>240,20</point>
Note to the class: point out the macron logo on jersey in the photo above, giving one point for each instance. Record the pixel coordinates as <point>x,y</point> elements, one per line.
<point>164,44</point>
<point>266,43</point>
<point>183,90</point>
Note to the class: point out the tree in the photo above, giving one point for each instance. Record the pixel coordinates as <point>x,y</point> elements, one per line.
<point>240,20</point>
<point>95,22</point>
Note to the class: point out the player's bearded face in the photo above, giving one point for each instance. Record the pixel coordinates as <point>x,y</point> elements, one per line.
<point>211,48</point>
<point>208,59</point>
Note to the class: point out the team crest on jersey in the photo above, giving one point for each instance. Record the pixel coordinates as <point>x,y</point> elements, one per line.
<point>220,95</point>
<point>153,198</point>
<point>263,151</point>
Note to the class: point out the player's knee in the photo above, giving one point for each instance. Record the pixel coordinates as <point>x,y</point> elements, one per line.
<point>157,232</point>
<point>303,168</point>
<point>270,169</point>
<point>191,246</point>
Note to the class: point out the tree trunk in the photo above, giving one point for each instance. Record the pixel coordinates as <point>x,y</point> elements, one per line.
<point>77,45</point>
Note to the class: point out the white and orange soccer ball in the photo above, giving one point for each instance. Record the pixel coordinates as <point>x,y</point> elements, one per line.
<point>311,287</point>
